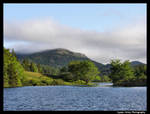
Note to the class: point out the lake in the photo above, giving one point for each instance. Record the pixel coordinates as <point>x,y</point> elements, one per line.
<point>75,98</point>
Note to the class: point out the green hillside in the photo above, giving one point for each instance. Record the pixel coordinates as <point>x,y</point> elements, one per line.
<point>57,58</point>
<point>37,79</point>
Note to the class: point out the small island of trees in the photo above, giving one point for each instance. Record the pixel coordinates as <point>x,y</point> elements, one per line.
<point>122,74</point>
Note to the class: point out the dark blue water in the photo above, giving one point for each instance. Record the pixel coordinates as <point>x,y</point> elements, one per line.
<point>102,98</point>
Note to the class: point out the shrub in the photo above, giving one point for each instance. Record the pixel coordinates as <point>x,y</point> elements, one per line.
<point>67,76</point>
<point>79,82</point>
<point>97,79</point>
<point>58,82</point>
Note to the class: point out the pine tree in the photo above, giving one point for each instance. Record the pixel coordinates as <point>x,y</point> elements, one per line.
<point>13,53</point>
<point>39,68</point>
<point>5,67</point>
<point>14,77</point>
<point>26,64</point>
<point>33,67</point>
<point>13,71</point>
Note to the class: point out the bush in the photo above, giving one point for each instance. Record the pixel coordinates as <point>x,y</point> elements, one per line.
<point>34,82</point>
<point>58,82</point>
<point>46,81</point>
<point>67,76</point>
<point>79,82</point>
<point>105,79</point>
<point>97,79</point>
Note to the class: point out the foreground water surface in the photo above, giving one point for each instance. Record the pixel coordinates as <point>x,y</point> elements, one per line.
<point>103,98</point>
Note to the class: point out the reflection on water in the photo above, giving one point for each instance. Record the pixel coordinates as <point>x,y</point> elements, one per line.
<point>102,97</point>
<point>105,84</point>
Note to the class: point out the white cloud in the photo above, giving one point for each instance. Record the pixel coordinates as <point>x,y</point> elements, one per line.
<point>128,42</point>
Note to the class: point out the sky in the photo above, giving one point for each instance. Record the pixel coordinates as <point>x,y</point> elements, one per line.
<point>100,31</point>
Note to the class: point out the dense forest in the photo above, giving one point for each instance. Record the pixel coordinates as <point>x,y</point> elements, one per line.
<point>31,71</point>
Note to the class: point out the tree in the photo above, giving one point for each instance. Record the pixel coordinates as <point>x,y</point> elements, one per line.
<point>13,71</point>
<point>67,76</point>
<point>74,68</point>
<point>13,53</point>
<point>121,71</point>
<point>83,70</point>
<point>64,69</point>
<point>115,70</point>
<point>140,70</point>
<point>46,69</point>
<point>7,61</point>
<point>140,73</point>
<point>33,67</point>
<point>105,79</point>
<point>127,71</point>
<point>97,79</point>
<point>39,68</point>
<point>26,64</point>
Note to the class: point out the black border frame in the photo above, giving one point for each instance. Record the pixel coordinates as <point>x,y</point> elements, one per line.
<point>75,1</point>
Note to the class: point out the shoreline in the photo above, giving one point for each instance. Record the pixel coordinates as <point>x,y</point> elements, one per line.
<point>95,84</point>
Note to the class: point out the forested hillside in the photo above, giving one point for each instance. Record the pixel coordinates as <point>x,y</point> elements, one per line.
<point>57,58</point>
<point>61,57</point>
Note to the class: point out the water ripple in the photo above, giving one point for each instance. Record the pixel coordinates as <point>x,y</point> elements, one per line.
<point>75,98</point>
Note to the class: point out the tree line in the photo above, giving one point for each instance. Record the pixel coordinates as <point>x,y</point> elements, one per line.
<point>13,69</point>
<point>33,67</point>
<point>80,70</point>
<point>121,73</point>
<point>76,71</point>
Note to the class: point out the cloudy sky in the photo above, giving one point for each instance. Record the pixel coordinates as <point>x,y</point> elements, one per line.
<point>100,31</point>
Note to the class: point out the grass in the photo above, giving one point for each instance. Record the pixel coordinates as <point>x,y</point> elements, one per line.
<point>33,79</point>
<point>37,79</point>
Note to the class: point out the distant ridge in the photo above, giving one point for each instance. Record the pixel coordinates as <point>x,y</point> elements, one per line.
<point>55,57</point>
<point>135,63</point>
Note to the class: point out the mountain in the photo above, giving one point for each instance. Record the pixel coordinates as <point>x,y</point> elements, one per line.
<point>61,57</point>
<point>136,63</point>
<point>56,57</point>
